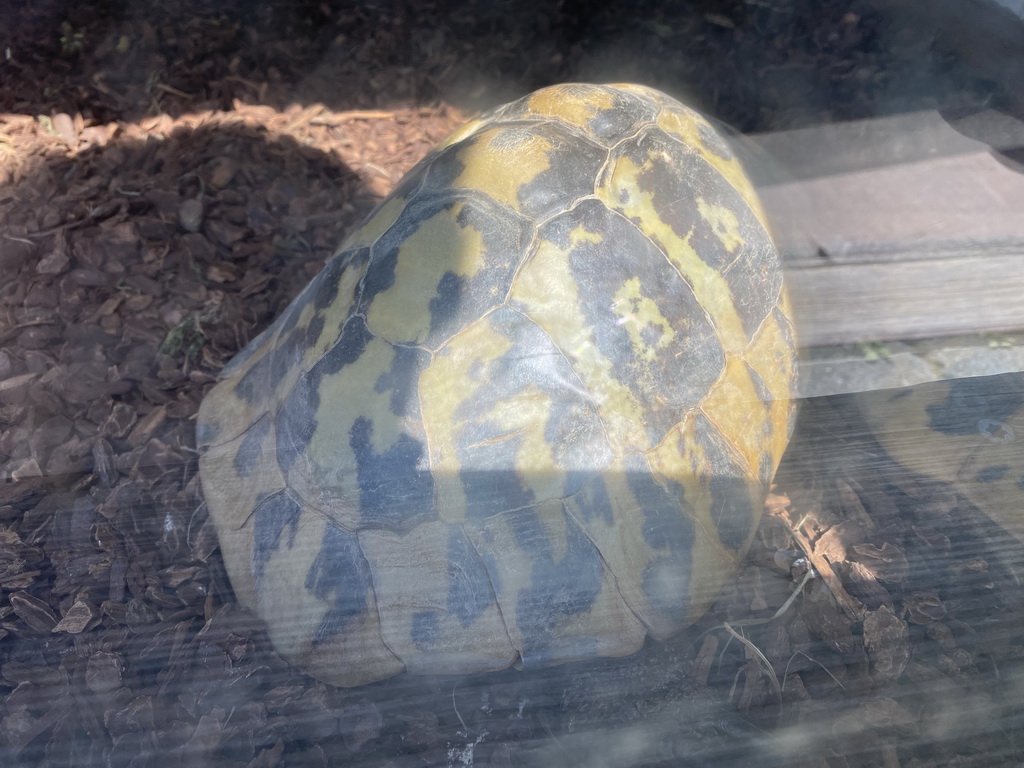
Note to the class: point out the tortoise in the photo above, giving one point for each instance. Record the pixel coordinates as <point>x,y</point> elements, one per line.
<point>527,414</point>
<point>964,432</point>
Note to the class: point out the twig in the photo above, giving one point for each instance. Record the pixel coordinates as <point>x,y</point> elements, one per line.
<point>174,91</point>
<point>765,664</point>
<point>334,118</point>
<point>456,708</point>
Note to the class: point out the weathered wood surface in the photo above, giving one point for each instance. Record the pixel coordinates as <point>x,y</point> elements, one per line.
<point>897,228</point>
<point>908,300</point>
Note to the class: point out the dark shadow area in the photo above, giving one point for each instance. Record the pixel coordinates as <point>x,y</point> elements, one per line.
<point>132,271</point>
<point>137,250</point>
<point>757,66</point>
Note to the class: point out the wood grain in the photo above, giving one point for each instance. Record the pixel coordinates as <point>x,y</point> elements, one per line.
<point>897,228</point>
<point>907,300</point>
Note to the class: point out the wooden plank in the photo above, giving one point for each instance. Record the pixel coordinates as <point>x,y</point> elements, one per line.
<point>825,150</point>
<point>898,228</point>
<point>908,300</point>
<point>914,210</point>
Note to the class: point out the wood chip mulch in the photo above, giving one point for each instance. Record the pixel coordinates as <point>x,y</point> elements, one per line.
<point>172,173</point>
<point>140,258</point>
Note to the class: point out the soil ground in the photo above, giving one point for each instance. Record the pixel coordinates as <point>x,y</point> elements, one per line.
<point>172,173</point>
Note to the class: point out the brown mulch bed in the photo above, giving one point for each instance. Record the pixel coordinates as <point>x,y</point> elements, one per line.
<point>172,173</point>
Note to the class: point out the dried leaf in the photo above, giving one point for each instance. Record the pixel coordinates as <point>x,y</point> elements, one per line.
<point>104,672</point>
<point>190,215</point>
<point>65,128</point>
<point>887,642</point>
<point>224,233</point>
<point>34,612</point>
<point>77,619</point>
<point>147,426</point>
<point>924,607</point>
<point>860,581</point>
<point>888,562</point>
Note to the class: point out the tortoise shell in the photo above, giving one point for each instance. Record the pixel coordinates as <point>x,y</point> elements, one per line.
<point>527,414</point>
<point>965,432</point>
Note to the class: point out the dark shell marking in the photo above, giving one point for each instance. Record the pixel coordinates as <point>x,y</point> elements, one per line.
<point>526,415</point>
<point>966,432</point>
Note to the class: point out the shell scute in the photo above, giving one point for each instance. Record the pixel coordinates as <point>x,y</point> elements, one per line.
<point>445,263</point>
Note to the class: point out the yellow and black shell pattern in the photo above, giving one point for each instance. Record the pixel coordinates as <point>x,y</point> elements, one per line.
<point>526,415</point>
<point>966,432</point>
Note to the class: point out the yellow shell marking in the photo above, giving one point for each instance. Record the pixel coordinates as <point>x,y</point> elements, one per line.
<point>504,161</point>
<point>635,312</point>
<point>707,283</point>
<point>681,458</point>
<point>685,125</point>
<point>546,287</point>
<point>734,407</point>
<point>623,546</point>
<point>330,447</point>
<point>459,134</point>
<point>723,222</point>
<point>334,316</point>
<point>452,379</point>
<point>382,219</point>
<point>777,374</point>
<point>524,417</point>
<point>552,103</point>
<point>440,244</point>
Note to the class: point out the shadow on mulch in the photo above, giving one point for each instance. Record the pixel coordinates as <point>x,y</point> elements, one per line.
<point>133,271</point>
